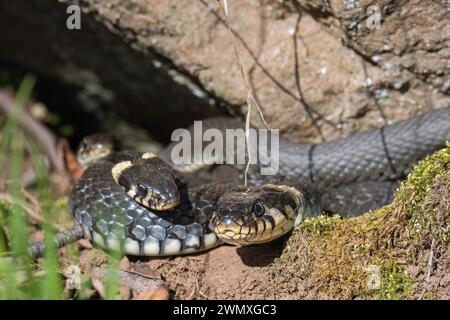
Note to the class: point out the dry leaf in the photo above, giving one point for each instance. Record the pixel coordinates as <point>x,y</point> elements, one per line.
<point>124,264</point>
<point>70,160</point>
<point>144,270</point>
<point>137,283</point>
<point>156,294</point>
<point>85,243</point>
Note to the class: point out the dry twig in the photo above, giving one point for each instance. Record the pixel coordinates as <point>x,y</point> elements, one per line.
<point>223,4</point>
<point>430,261</point>
<point>44,136</point>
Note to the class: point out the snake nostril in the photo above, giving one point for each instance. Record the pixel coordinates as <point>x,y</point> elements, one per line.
<point>228,221</point>
<point>165,196</point>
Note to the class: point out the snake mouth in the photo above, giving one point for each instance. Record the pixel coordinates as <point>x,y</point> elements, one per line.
<point>168,206</point>
<point>159,201</point>
<point>86,157</point>
<point>234,231</point>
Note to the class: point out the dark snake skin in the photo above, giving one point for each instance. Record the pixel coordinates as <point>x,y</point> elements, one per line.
<point>108,215</point>
<point>353,174</point>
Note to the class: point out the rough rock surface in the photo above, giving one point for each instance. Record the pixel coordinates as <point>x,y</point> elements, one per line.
<point>318,67</point>
<point>300,69</point>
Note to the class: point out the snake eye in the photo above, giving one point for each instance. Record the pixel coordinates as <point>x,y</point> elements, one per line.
<point>141,190</point>
<point>258,209</point>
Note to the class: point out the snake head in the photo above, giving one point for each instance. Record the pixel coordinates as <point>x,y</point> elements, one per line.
<point>148,180</point>
<point>257,214</point>
<point>95,147</point>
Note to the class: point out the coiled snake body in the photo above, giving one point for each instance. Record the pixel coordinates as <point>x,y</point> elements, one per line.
<point>353,174</point>
<point>362,167</point>
<point>115,221</point>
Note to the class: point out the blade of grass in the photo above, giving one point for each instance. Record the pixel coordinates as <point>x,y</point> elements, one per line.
<point>112,277</point>
<point>17,221</point>
<point>112,281</point>
<point>50,287</point>
<point>10,127</point>
<point>12,144</point>
<point>19,218</point>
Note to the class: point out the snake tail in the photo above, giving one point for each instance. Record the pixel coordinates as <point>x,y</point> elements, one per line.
<point>61,239</point>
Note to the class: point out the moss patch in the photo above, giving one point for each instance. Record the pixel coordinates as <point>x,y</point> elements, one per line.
<point>397,252</point>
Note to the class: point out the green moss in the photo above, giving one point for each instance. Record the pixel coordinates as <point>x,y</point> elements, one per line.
<point>320,226</point>
<point>395,284</point>
<point>334,254</point>
<point>436,164</point>
<point>423,205</point>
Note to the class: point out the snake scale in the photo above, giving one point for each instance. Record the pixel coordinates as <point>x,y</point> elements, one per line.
<point>355,173</point>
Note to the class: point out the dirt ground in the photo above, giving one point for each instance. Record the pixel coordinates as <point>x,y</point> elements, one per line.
<point>226,272</point>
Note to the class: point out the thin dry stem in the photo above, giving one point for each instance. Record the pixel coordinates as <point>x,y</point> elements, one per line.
<point>30,204</point>
<point>430,261</point>
<point>223,4</point>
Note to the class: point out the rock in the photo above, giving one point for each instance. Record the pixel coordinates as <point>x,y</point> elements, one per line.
<point>318,68</point>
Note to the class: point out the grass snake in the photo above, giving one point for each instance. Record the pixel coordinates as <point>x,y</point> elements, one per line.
<point>123,203</point>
